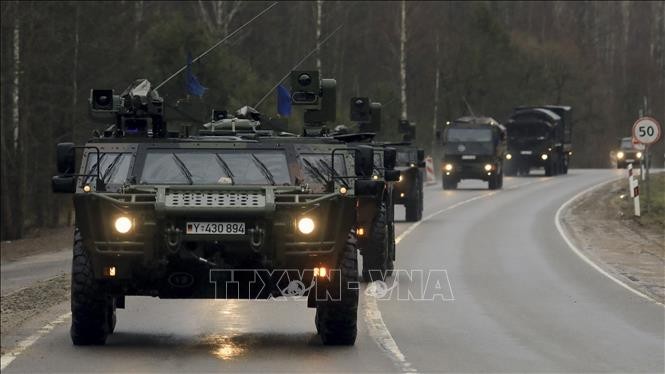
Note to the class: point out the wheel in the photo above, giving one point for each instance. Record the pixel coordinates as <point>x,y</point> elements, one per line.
<point>376,258</point>
<point>500,181</point>
<point>414,206</point>
<point>493,183</point>
<point>449,184</point>
<point>549,169</point>
<point>93,311</point>
<point>336,320</point>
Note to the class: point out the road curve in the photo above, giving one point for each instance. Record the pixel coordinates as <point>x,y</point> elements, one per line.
<point>523,302</point>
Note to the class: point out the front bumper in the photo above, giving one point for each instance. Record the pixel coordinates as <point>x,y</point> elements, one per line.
<point>469,169</point>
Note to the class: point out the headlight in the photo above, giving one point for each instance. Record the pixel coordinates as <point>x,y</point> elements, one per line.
<point>400,178</point>
<point>123,225</point>
<point>448,167</point>
<point>488,167</point>
<point>544,157</point>
<point>306,225</point>
<point>620,155</point>
<point>508,156</point>
<point>639,155</point>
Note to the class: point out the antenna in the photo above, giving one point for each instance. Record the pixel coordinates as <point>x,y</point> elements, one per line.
<point>216,45</point>
<point>468,106</point>
<point>298,64</point>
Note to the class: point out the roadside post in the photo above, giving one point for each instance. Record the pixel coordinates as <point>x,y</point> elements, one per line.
<point>634,189</point>
<point>647,131</point>
<point>429,171</point>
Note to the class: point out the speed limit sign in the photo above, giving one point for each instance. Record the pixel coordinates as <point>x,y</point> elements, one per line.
<point>646,130</point>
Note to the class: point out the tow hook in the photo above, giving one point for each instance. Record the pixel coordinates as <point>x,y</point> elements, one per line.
<point>173,238</point>
<point>256,237</point>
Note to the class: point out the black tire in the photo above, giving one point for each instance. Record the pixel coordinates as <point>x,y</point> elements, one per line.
<point>549,169</point>
<point>493,183</point>
<point>93,311</point>
<point>449,184</point>
<point>376,258</point>
<point>500,181</point>
<point>414,206</point>
<point>337,320</point>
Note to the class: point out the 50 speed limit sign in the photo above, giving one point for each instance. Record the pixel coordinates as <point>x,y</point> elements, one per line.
<point>646,130</point>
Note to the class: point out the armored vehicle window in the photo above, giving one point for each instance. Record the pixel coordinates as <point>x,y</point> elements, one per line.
<point>469,135</point>
<point>405,157</point>
<point>317,167</point>
<point>206,167</point>
<point>113,167</point>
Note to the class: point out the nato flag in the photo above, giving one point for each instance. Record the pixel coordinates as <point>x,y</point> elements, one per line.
<point>283,101</point>
<point>194,87</point>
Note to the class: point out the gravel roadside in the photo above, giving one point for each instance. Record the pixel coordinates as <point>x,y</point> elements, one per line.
<point>630,248</point>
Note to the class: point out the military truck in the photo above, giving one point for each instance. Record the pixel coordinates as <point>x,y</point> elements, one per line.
<point>539,137</point>
<point>409,190</point>
<point>214,215</point>
<point>473,148</point>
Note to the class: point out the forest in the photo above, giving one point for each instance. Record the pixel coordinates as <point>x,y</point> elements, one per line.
<point>421,60</point>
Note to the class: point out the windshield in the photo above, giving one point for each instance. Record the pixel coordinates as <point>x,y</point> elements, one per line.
<point>626,143</point>
<point>405,157</point>
<point>469,135</point>
<point>208,167</point>
<point>528,130</point>
<point>317,168</point>
<point>113,167</point>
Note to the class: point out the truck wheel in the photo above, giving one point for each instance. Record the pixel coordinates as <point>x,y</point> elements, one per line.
<point>376,258</point>
<point>449,184</point>
<point>414,206</point>
<point>500,181</point>
<point>549,170</point>
<point>493,183</point>
<point>93,311</point>
<point>336,320</point>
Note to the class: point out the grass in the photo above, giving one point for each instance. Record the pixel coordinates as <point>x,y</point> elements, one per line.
<point>655,215</point>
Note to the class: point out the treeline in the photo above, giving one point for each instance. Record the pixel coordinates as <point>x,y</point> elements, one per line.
<point>604,58</point>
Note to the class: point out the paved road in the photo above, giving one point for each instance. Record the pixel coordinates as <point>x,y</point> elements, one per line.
<point>523,302</point>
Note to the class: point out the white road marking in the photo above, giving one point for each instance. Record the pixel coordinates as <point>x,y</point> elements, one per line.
<point>24,344</point>
<point>573,247</point>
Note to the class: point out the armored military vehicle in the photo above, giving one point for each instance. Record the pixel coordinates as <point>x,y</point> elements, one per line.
<point>216,215</point>
<point>473,148</point>
<point>539,137</point>
<point>409,191</point>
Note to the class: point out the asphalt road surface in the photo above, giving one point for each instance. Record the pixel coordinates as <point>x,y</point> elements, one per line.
<point>523,302</point>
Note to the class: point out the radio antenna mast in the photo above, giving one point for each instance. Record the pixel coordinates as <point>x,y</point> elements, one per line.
<point>216,45</point>
<point>298,64</point>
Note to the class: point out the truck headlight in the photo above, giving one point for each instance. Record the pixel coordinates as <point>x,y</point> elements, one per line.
<point>639,155</point>
<point>123,224</point>
<point>448,167</point>
<point>544,156</point>
<point>400,178</point>
<point>306,225</point>
<point>488,167</point>
<point>620,155</point>
<point>508,156</point>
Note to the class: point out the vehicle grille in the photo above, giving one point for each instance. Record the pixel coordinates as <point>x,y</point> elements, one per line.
<point>215,199</point>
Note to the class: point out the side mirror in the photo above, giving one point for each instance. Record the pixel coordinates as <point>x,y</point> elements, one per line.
<point>389,158</point>
<point>421,156</point>
<point>364,161</point>
<point>65,156</point>
<point>63,184</point>
<point>391,175</point>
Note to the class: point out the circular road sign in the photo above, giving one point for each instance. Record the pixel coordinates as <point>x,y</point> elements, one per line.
<point>646,130</point>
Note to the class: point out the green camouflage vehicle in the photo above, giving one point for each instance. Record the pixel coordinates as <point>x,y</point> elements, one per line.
<point>210,216</point>
<point>409,190</point>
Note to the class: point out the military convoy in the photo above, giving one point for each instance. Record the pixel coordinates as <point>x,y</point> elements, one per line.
<point>539,137</point>
<point>473,148</point>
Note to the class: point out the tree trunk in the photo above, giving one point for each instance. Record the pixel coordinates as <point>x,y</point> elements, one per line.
<point>402,62</point>
<point>319,6</point>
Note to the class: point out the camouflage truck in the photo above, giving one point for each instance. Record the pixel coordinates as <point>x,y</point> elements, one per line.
<point>473,148</point>
<point>214,216</point>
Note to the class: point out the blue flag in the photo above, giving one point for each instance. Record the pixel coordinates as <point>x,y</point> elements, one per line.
<point>194,87</point>
<point>283,101</point>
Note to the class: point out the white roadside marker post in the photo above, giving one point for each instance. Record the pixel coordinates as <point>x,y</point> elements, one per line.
<point>633,186</point>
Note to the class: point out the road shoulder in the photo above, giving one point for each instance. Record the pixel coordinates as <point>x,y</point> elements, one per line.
<point>631,251</point>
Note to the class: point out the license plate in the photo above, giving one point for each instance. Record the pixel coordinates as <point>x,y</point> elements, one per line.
<point>526,152</point>
<point>630,160</point>
<point>468,157</point>
<point>216,228</point>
